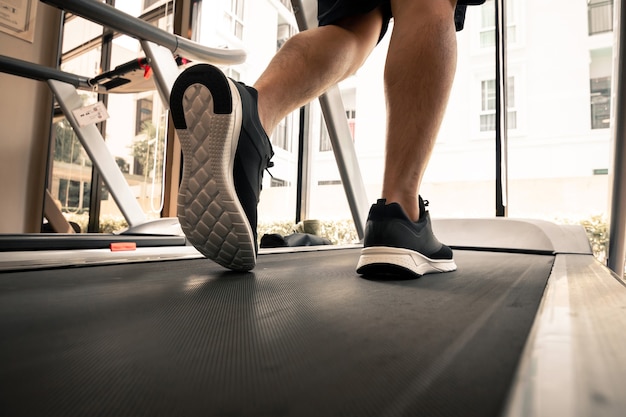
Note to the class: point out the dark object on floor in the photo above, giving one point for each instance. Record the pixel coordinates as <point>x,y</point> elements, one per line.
<point>274,240</point>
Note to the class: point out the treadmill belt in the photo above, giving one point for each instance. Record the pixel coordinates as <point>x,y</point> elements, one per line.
<point>302,335</point>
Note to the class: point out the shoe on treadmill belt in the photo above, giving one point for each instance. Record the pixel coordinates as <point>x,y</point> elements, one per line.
<point>396,245</point>
<point>225,151</point>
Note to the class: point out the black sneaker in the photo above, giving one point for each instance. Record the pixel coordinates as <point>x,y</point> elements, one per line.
<point>396,245</point>
<point>225,151</point>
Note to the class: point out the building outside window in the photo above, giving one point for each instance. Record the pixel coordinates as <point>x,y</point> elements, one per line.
<point>488,105</point>
<point>134,132</point>
<point>277,182</point>
<point>233,17</point>
<point>325,144</point>
<point>143,115</point>
<point>600,102</point>
<point>600,15</point>
<point>283,33</point>
<point>148,3</point>
<point>74,195</point>
<point>488,23</point>
<point>351,116</point>
<point>196,23</point>
<point>281,137</point>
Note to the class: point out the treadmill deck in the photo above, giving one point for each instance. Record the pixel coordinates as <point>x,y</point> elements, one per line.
<point>301,335</point>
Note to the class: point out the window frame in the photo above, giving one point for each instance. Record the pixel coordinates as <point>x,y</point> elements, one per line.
<point>604,93</point>
<point>512,103</point>
<point>233,18</point>
<point>512,20</point>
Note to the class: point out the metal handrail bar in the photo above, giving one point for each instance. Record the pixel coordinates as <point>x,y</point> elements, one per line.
<point>117,20</point>
<point>617,216</point>
<point>37,72</point>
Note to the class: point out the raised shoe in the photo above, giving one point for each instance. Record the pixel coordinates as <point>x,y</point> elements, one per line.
<point>225,151</point>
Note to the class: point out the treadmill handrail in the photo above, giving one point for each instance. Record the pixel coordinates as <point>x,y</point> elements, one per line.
<point>119,21</point>
<point>38,72</point>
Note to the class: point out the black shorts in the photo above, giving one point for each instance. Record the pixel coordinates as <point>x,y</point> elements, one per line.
<point>331,11</point>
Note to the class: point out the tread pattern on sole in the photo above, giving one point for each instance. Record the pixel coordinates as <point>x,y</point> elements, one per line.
<point>209,211</point>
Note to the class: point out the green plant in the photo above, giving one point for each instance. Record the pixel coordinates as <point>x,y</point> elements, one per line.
<point>108,224</point>
<point>596,228</point>
<point>112,224</point>
<point>598,234</point>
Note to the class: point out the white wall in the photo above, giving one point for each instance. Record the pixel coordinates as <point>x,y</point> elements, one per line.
<point>25,120</point>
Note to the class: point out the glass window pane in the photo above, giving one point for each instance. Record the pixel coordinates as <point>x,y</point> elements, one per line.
<point>487,38</point>
<point>600,15</point>
<point>559,157</point>
<point>135,130</point>
<point>510,96</point>
<point>487,14</point>
<point>78,31</point>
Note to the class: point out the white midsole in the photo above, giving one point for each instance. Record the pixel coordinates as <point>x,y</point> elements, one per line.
<point>404,258</point>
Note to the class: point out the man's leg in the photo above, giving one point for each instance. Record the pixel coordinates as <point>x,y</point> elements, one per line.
<point>419,71</point>
<point>222,127</point>
<point>418,76</point>
<point>312,61</point>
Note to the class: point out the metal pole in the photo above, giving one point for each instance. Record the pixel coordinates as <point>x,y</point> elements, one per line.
<point>617,220</point>
<point>38,72</point>
<point>304,165</point>
<point>501,110</point>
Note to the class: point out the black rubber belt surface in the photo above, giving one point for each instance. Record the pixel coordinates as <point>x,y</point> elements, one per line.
<point>301,336</point>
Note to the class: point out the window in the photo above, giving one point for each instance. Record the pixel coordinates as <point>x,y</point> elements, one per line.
<point>488,23</point>
<point>287,4</point>
<point>233,17</point>
<point>329,182</point>
<point>281,137</point>
<point>600,102</point>
<point>74,195</point>
<point>325,144</point>
<point>277,182</point>
<point>284,31</point>
<point>351,115</point>
<point>87,50</point>
<point>148,3</point>
<point>196,13</point>
<point>600,16</point>
<point>143,115</point>
<point>488,105</point>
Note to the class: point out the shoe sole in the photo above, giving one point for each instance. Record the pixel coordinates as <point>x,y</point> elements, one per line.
<point>208,121</point>
<point>379,260</point>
